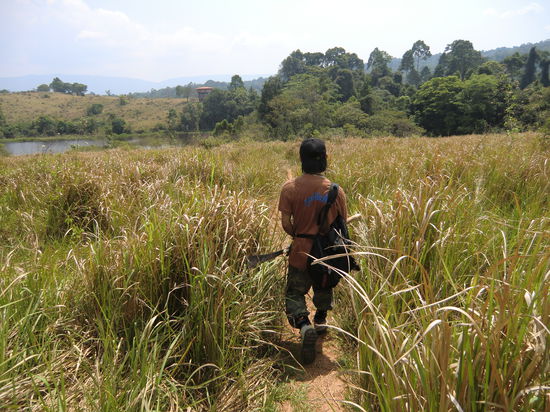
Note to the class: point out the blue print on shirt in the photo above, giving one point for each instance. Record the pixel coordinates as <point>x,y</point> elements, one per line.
<point>316,197</point>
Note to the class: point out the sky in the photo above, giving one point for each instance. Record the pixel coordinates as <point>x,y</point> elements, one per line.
<point>164,39</point>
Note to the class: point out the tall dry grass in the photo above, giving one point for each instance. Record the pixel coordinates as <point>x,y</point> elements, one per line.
<point>451,307</point>
<point>123,285</point>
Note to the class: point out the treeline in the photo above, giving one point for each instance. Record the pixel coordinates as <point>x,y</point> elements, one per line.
<point>498,54</point>
<point>337,92</point>
<point>88,124</point>
<point>59,86</point>
<point>317,92</point>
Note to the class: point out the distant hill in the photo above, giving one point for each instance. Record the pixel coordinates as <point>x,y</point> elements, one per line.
<point>140,114</point>
<point>502,52</point>
<point>115,85</point>
<point>498,54</point>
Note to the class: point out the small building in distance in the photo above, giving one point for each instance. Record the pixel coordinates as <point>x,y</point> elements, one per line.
<point>202,92</point>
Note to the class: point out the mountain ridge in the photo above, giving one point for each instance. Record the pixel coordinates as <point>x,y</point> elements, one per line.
<point>115,85</point>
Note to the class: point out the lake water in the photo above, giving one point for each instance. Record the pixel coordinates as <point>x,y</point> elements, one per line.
<point>52,146</point>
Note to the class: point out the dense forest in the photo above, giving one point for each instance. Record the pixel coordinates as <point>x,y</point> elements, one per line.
<point>337,92</point>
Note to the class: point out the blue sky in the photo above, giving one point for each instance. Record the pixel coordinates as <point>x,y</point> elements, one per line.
<point>162,39</point>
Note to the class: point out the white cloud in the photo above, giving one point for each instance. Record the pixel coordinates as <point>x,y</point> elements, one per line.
<point>114,29</point>
<point>86,34</point>
<point>506,14</point>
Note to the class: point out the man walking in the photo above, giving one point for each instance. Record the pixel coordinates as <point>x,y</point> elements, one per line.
<point>300,203</point>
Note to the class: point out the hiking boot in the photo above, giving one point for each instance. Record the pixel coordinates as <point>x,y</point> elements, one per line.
<point>320,322</point>
<point>309,338</point>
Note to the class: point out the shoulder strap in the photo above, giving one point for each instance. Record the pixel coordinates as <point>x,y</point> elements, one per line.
<point>331,198</point>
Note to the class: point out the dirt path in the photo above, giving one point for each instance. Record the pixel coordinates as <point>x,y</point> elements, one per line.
<point>324,381</point>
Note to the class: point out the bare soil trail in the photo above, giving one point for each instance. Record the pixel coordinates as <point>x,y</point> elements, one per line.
<point>324,381</point>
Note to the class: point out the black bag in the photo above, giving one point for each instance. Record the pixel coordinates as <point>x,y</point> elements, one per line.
<point>334,241</point>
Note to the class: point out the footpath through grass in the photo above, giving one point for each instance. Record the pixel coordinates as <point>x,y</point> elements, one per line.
<point>123,285</point>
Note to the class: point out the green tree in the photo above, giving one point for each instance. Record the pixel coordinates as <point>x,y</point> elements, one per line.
<point>425,74</point>
<point>484,102</point>
<point>304,103</point>
<point>334,57</point>
<point>172,120</point>
<point>294,64</point>
<point>544,78</point>
<point>183,91</point>
<point>377,65</point>
<point>391,83</point>
<point>43,88</point>
<point>58,86</point>
<point>228,105</point>
<point>118,125</point>
<point>514,65</point>
<point>190,117</point>
<point>391,122</point>
<point>414,78</point>
<point>420,51</point>
<point>493,68</point>
<point>45,125</point>
<point>272,87</point>
<point>315,59</point>
<point>2,118</point>
<point>407,61</point>
<point>337,56</point>
<point>437,106</point>
<point>236,83</point>
<point>344,81</point>
<point>460,58</point>
<point>77,89</point>
<point>89,125</point>
<point>350,113</point>
<point>365,97</point>
<point>530,69</point>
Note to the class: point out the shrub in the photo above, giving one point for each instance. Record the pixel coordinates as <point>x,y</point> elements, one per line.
<point>223,127</point>
<point>394,123</point>
<point>45,125</point>
<point>77,210</point>
<point>118,125</point>
<point>94,109</point>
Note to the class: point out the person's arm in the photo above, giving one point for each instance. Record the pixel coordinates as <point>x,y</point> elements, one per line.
<point>286,222</point>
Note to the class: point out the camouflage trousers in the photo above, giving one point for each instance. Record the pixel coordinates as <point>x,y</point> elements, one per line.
<point>298,284</point>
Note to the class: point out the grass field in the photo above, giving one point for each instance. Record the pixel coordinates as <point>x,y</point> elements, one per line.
<point>123,282</point>
<point>140,114</point>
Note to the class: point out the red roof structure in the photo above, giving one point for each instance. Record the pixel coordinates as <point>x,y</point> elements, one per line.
<point>204,91</point>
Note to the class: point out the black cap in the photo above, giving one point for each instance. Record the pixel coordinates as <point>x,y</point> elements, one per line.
<point>313,149</point>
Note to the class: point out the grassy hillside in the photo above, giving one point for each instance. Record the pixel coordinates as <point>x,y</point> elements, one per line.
<point>138,113</point>
<point>123,282</point>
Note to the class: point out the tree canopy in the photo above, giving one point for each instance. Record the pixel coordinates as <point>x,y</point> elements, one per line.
<point>459,58</point>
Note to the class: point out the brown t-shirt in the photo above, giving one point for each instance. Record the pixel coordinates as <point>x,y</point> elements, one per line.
<point>303,198</point>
